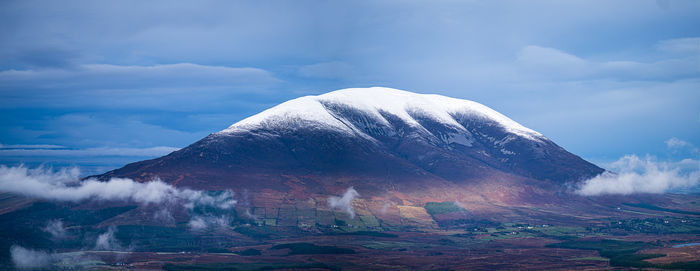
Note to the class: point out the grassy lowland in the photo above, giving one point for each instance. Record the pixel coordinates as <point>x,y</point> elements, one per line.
<point>623,253</point>
<point>436,208</point>
<point>308,248</point>
<point>249,252</point>
<point>157,238</point>
<point>657,208</point>
<point>369,233</point>
<point>247,266</point>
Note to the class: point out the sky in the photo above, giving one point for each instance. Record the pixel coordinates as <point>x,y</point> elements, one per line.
<point>102,83</point>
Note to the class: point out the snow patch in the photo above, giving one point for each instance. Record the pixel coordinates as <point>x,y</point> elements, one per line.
<point>310,110</point>
<point>507,152</point>
<point>460,138</point>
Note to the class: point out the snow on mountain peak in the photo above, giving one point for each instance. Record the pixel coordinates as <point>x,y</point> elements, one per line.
<point>311,110</point>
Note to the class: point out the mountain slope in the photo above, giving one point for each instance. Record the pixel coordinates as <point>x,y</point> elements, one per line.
<point>381,139</point>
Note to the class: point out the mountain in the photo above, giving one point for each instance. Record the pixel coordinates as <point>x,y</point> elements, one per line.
<point>379,140</point>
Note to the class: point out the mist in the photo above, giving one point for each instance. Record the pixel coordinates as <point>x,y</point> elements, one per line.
<point>107,241</point>
<point>643,175</point>
<point>24,258</point>
<point>56,229</point>
<point>29,258</point>
<point>344,203</point>
<point>65,185</point>
<point>204,222</point>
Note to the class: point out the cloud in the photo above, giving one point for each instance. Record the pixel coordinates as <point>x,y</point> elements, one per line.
<point>63,185</point>
<point>24,258</point>
<point>27,258</point>
<point>545,62</point>
<point>95,133</point>
<point>39,146</point>
<point>88,152</point>
<point>679,46</point>
<point>108,76</point>
<point>56,229</point>
<point>107,241</point>
<point>203,222</point>
<point>170,87</point>
<point>344,203</point>
<point>247,214</point>
<point>551,59</point>
<point>164,216</point>
<point>197,224</point>
<point>636,175</point>
<point>677,144</point>
<point>384,208</point>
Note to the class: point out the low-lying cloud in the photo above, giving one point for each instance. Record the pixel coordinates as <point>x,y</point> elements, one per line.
<point>637,175</point>
<point>344,203</point>
<point>107,241</point>
<point>56,229</point>
<point>24,258</point>
<point>204,222</point>
<point>29,258</point>
<point>64,185</point>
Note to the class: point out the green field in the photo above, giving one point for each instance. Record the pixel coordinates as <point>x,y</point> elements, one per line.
<point>308,248</point>
<point>435,208</point>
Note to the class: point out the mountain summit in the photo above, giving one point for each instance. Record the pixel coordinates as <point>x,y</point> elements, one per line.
<point>379,140</point>
<point>378,105</point>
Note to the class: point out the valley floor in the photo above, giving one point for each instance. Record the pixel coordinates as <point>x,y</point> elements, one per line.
<point>436,236</point>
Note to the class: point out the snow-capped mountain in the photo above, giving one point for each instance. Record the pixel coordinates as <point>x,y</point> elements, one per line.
<point>325,111</point>
<point>381,138</point>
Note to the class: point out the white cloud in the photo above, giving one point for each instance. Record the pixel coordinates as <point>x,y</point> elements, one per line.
<point>164,216</point>
<point>56,229</point>
<point>109,76</point>
<point>197,224</point>
<point>88,152</point>
<point>38,146</point>
<point>384,208</point>
<point>636,175</point>
<point>677,144</point>
<point>64,185</point>
<point>27,258</point>
<point>107,241</point>
<point>24,258</point>
<point>344,203</point>
<point>247,214</point>
<point>203,222</point>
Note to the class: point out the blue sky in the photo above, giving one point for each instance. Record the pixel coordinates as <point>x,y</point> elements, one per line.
<point>99,84</point>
